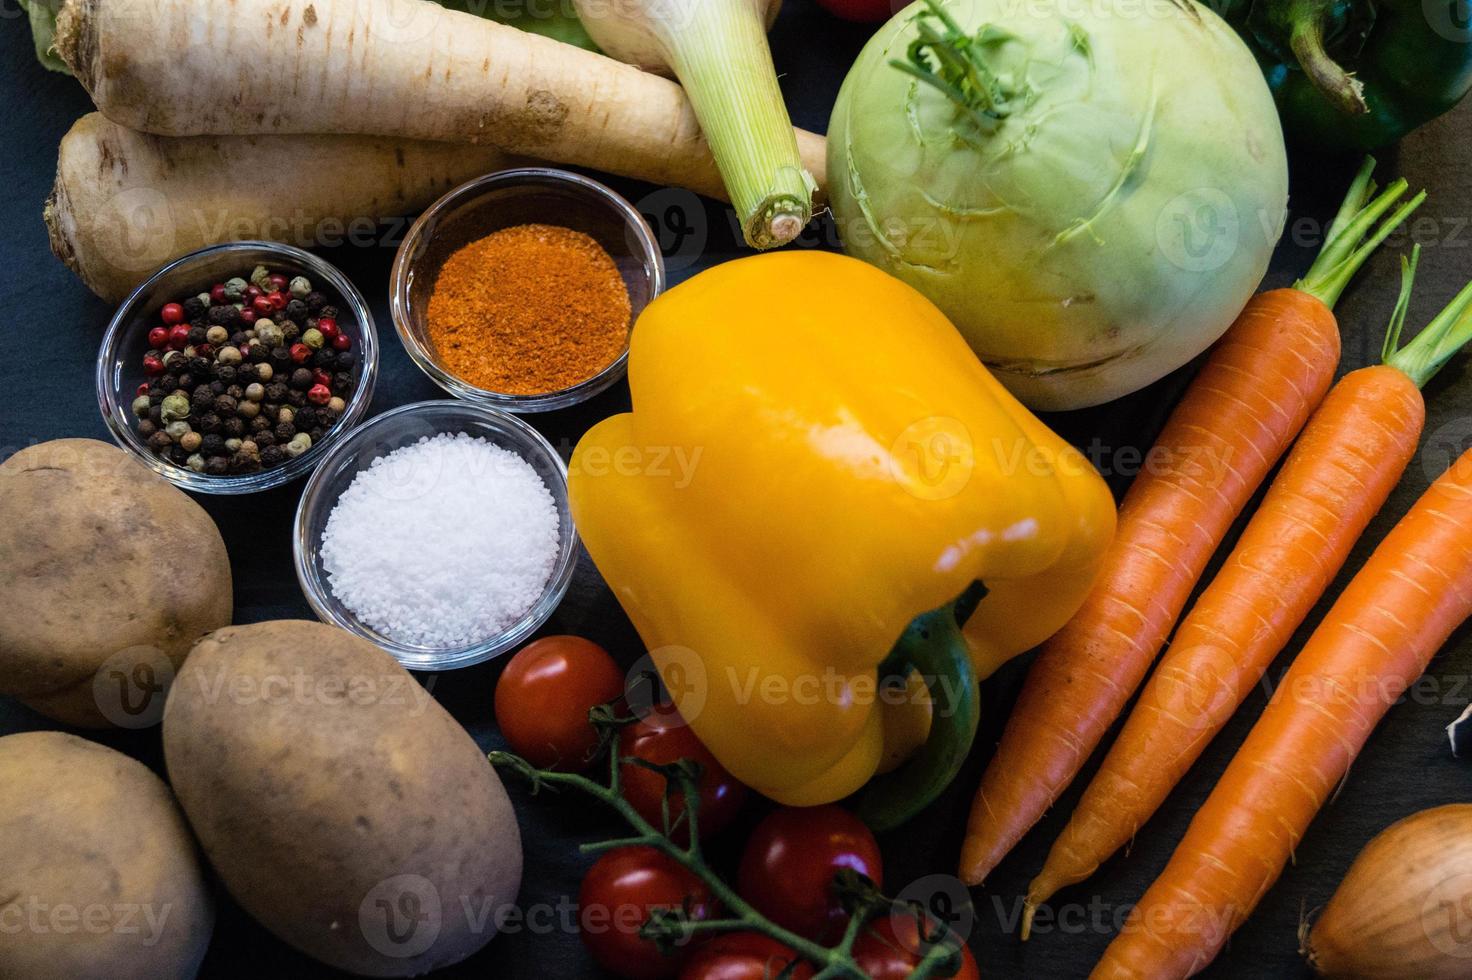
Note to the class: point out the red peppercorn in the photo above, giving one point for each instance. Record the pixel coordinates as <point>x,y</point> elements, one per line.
<point>152,364</point>
<point>327,327</point>
<point>143,388</point>
<point>262,306</point>
<point>301,353</point>
<point>319,394</point>
<point>204,350</point>
<point>278,281</point>
<point>278,301</point>
<point>248,316</point>
<point>179,336</point>
<point>321,377</point>
<point>341,342</point>
<point>251,292</point>
<point>158,337</point>
<point>217,294</point>
<point>172,313</point>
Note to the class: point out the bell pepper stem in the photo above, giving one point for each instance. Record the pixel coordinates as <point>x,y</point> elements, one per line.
<point>1306,38</point>
<point>932,645</point>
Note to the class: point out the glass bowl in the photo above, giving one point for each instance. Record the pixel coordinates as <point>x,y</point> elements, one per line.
<point>392,430</point>
<point>527,195</point>
<point>120,370</point>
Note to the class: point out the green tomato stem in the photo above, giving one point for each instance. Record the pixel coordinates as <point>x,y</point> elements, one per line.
<point>718,49</point>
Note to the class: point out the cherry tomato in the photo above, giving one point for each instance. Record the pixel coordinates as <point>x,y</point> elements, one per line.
<point>544,695</point>
<point>891,947</point>
<point>788,866</point>
<point>862,11</point>
<point>663,737</point>
<point>618,894</point>
<point>743,956</point>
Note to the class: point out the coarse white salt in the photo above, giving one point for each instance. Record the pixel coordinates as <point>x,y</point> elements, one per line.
<point>443,543</point>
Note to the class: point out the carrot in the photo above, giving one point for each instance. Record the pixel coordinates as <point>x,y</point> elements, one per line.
<point>1251,398</point>
<point>401,68</point>
<point>1374,643</point>
<point>125,203</point>
<point>1343,468</point>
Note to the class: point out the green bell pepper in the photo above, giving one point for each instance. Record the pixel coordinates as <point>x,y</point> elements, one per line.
<point>1357,74</point>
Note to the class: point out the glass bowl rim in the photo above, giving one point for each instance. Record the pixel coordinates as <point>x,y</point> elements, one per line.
<point>318,593</point>
<point>115,409</point>
<point>649,253</point>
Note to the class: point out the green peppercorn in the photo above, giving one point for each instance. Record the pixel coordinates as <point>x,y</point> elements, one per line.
<point>313,338</point>
<point>337,406</point>
<point>268,333</point>
<point>141,405</point>
<point>177,430</point>
<point>235,289</point>
<point>260,277</point>
<point>299,444</point>
<point>175,406</point>
<point>300,286</point>
<point>195,463</point>
<point>232,445</point>
<point>191,442</point>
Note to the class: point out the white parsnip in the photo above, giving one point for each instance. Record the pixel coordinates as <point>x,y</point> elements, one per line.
<point>124,203</point>
<point>403,68</point>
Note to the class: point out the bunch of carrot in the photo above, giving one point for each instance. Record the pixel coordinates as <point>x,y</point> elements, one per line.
<point>1260,386</point>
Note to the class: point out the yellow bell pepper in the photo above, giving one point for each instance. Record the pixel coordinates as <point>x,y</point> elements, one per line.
<point>814,460</point>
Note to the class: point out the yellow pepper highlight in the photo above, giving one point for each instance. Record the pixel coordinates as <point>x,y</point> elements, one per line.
<point>814,459</point>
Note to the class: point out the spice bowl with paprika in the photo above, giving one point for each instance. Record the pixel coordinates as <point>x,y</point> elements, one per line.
<point>234,368</point>
<point>518,290</point>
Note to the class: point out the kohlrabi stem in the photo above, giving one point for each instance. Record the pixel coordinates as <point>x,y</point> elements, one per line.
<point>955,64</point>
<point>1420,359</point>
<point>1306,37</point>
<point>1353,236</point>
<point>718,49</point>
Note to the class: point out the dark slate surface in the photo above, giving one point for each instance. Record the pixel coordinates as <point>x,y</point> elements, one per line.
<point>52,326</point>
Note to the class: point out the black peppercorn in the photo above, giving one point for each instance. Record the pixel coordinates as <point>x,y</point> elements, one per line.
<point>217,466</point>
<point>178,454</point>
<point>218,387</point>
<point>225,373</point>
<point>246,373</point>
<point>342,382</point>
<point>296,310</point>
<point>196,335</point>
<point>199,366</point>
<point>236,392</point>
<point>209,422</point>
<point>225,406</point>
<point>243,462</point>
<point>222,316</point>
<point>301,379</point>
<point>146,428</point>
<point>317,434</point>
<point>280,358</point>
<point>202,398</point>
<point>271,455</point>
<point>327,310</point>
<point>325,358</point>
<point>316,300</point>
<point>275,392</point>
<point>290,331</point>
<point>194,308</point>
<point>284,431</point>
<point>256,353</point>
<point>156,395</point>
<point>260,424</point>
<point>187,381</point>
<point>263,435</point>
<point>296,399</point>
<point>239,339</point>
<point>167,382</point>
<point>346,361</point>
<point>160,442</point>
<point>156,414</point>
<point>212,445</point>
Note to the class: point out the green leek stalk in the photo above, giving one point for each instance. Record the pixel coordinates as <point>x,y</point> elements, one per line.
<point>718,50</point>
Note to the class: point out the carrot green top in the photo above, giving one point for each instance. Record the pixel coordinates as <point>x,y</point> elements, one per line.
<point>1422,357</point>
<point>1346,246</point>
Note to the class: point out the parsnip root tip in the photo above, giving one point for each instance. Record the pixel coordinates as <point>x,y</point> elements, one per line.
<point>1029,909</point>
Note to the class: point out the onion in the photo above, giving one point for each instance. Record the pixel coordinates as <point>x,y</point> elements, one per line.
<point>1404,910</point>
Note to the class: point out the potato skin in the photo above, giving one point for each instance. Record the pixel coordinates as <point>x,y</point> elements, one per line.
<point>106,563</point>
<point>99,876</point>
<point>332,794</point>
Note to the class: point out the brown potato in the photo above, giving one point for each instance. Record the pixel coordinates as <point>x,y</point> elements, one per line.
<point>340,804</point>
<point>110,575</point>
<point>98,876</point>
